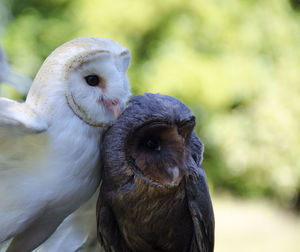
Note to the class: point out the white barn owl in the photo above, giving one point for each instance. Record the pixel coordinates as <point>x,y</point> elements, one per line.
<point>49,145</point>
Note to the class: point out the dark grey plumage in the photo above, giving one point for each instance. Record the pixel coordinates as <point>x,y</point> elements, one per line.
<point>154,195</point>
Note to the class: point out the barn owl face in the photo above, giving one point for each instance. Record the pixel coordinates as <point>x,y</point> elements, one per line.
<point>91,75</point>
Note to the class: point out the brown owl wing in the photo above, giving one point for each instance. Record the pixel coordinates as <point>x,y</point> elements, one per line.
<point>108,231</point>
<point>199,202</point>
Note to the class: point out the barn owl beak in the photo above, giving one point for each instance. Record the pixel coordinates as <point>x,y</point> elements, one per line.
<point>113,105</point>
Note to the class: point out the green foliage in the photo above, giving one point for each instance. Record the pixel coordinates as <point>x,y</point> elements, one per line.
<point>295,4</point>
<point>235,63</point>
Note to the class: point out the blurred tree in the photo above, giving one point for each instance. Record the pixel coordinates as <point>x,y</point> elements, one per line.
<point>45,8</point>
<point>235,63</point>
<point>295,4</point>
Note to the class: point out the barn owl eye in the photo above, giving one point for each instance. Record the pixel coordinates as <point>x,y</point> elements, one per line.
<point>92,80</point>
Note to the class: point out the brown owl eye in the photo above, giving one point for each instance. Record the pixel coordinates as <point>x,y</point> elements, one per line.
<point>152,144</point>
<point>92,80</point>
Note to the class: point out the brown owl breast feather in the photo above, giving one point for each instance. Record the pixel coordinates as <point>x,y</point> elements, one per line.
<point>154,195</point>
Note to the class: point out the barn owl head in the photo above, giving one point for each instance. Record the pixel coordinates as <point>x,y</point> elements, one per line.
<point>86,74</point>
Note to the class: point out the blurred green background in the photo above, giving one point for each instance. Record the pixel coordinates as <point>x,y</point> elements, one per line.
<point>235,63</point>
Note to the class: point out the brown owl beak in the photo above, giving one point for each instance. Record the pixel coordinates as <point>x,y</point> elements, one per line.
<point>113,106</point>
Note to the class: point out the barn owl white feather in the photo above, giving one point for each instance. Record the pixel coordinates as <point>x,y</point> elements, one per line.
<point>49,145</point>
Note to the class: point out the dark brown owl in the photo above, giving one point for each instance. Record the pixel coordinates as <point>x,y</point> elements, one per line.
<point>154,195</point>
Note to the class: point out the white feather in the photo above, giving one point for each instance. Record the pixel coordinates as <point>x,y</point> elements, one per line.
<point>78,232</point>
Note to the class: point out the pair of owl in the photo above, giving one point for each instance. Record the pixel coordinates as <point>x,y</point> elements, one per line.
<point>153,195</point>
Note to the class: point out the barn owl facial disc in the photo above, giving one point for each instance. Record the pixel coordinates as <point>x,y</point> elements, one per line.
<point>49,145</point>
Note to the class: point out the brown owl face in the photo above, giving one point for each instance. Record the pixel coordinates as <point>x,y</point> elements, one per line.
<point>159,149</point>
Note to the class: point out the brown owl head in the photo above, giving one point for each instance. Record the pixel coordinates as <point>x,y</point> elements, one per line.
<point>153,137</point>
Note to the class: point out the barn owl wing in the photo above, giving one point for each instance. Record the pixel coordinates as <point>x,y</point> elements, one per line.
<point>20,147</point>
<point>17,119</point>
<point>199,202</point>
<point>76,233</point>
